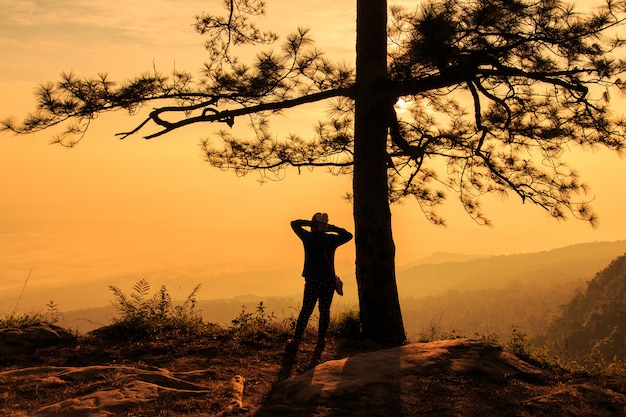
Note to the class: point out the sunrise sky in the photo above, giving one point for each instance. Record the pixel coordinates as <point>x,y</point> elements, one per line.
<point>113,212</point>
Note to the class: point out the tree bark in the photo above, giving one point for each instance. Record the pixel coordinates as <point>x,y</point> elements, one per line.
<point>381,317</point>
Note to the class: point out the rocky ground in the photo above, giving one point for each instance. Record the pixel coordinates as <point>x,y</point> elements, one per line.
<point>226,373</point>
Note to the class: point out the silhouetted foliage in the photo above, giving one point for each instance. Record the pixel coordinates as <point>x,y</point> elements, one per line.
<point>23,319</point>
<point>346,324</point>
<point>142,316</point>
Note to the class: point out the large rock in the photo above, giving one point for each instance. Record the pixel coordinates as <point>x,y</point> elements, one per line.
<point>351,375</point>
<point>461,377</point>
<point>15,340</point>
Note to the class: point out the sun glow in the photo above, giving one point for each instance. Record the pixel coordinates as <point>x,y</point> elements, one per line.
<point>402,105</point>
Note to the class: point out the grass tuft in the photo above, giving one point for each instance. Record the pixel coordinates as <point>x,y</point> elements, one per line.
<point>15,319</point>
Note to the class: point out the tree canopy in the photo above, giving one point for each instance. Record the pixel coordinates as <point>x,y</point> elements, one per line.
<point>497,91</point>
<point>479,97</point>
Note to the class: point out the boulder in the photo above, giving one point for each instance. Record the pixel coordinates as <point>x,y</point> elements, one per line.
<point>15,340</point>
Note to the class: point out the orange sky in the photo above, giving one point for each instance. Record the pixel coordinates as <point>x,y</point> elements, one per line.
<point>113,212</point>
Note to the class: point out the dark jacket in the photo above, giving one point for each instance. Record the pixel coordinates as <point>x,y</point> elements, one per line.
<point>319,249</point>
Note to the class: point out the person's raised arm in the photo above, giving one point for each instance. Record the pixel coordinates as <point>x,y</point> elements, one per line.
<point>343,235</point>
<point>298,226</point>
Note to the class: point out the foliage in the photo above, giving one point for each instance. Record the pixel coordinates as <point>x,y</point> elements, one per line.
<point>592,326</point>
<point>497,92</point>
<point>258,318</point>
<point>346,324</point>
<point>434,332</point>
<point>532,82</point>
<point>257,325</point>
<point>518,344</point>
<point>618,369</point>
<point>145,316</point>
<point>429,334</point>
<point>15,319</point>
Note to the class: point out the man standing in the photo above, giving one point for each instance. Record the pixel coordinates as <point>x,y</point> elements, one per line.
<point>320,244</point>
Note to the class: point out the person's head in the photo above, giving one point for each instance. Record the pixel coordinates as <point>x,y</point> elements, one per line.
<point>319,222</point>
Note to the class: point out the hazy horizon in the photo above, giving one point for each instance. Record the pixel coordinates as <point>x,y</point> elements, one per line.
<point>269,283</point>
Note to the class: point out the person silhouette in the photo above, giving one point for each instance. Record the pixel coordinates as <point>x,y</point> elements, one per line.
<point>320,243</point>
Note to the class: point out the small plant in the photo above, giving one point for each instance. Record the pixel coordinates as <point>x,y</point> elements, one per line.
<point>518,344</point>
<point>257,324</point>
<point>288,322</point>
<point>52,312</point>
<point>257,319</point>
<point>116,377</point>
<point>489,337</point>
<point>433,333</point>
<point>346,324</point>
<point>142,315</point>
<point>430,334</point>
<point>15,319</point>
<point>547,359</point>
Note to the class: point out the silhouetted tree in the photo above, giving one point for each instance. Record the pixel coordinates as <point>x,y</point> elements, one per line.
<point>497,91</point>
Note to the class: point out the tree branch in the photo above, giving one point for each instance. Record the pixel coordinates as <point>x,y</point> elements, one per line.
<point>414,152</point>
<point>228,116</point>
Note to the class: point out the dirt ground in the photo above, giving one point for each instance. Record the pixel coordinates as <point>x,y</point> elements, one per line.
<point>208,364</point>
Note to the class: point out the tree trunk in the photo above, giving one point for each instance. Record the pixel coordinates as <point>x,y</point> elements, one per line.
<point>381,318</point>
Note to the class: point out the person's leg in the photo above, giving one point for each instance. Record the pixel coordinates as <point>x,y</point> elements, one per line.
<point>308,305</point>
<point>327,290</point>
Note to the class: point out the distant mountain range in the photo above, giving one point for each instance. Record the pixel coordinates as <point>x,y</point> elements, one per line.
<point>442,272</point>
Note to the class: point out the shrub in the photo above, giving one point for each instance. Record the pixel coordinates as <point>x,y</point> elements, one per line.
<point>346,324</point>
<point>145,316</point>
<point>257,324</point>
<point>518,344</point>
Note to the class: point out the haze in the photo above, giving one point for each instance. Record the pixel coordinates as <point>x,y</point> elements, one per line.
<point>113,212</point>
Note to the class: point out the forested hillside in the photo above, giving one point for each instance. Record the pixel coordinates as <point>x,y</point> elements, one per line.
<point>593,323</point>
<point>491,295</point>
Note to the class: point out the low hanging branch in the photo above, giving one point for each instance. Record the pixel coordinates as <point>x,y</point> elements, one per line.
<point>228,116</point>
